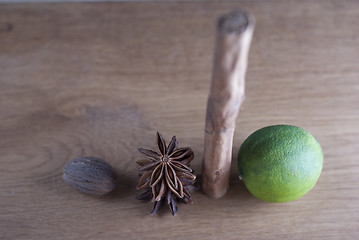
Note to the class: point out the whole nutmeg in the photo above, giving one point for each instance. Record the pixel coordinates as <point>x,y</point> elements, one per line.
<point>90,175</point>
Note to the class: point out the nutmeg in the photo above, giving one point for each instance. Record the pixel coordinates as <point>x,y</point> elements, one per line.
<point>90,175</point>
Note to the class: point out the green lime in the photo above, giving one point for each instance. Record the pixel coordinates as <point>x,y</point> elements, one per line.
<point>280,163</point>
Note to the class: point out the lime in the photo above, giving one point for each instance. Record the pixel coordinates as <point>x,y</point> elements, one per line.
<point>280,163</point>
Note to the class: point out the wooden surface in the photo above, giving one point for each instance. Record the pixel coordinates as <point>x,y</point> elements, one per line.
<point>100,79</point>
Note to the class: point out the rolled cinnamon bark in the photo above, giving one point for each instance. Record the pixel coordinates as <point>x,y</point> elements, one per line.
<point>233,39</point>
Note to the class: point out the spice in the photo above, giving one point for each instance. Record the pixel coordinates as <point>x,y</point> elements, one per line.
<point>233,38</point>
<point>165,175</point>
<point>90,175</point>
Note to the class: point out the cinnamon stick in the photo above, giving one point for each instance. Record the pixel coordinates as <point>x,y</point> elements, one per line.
<point>233,39</point>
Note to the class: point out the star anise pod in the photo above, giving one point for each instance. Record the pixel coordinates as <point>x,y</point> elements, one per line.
<point>165,175</point>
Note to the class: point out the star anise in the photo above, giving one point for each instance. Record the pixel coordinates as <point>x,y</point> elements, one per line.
<point>166,176</point>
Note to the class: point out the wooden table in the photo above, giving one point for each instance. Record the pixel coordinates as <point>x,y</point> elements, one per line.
<point>100,79</point>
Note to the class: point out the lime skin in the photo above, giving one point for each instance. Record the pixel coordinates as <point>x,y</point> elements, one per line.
<point>280,163</point>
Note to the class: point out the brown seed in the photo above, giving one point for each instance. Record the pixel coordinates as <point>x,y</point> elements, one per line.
<point>90,175</point>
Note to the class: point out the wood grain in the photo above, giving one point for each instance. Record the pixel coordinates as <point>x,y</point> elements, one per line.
<point>100,78</point>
